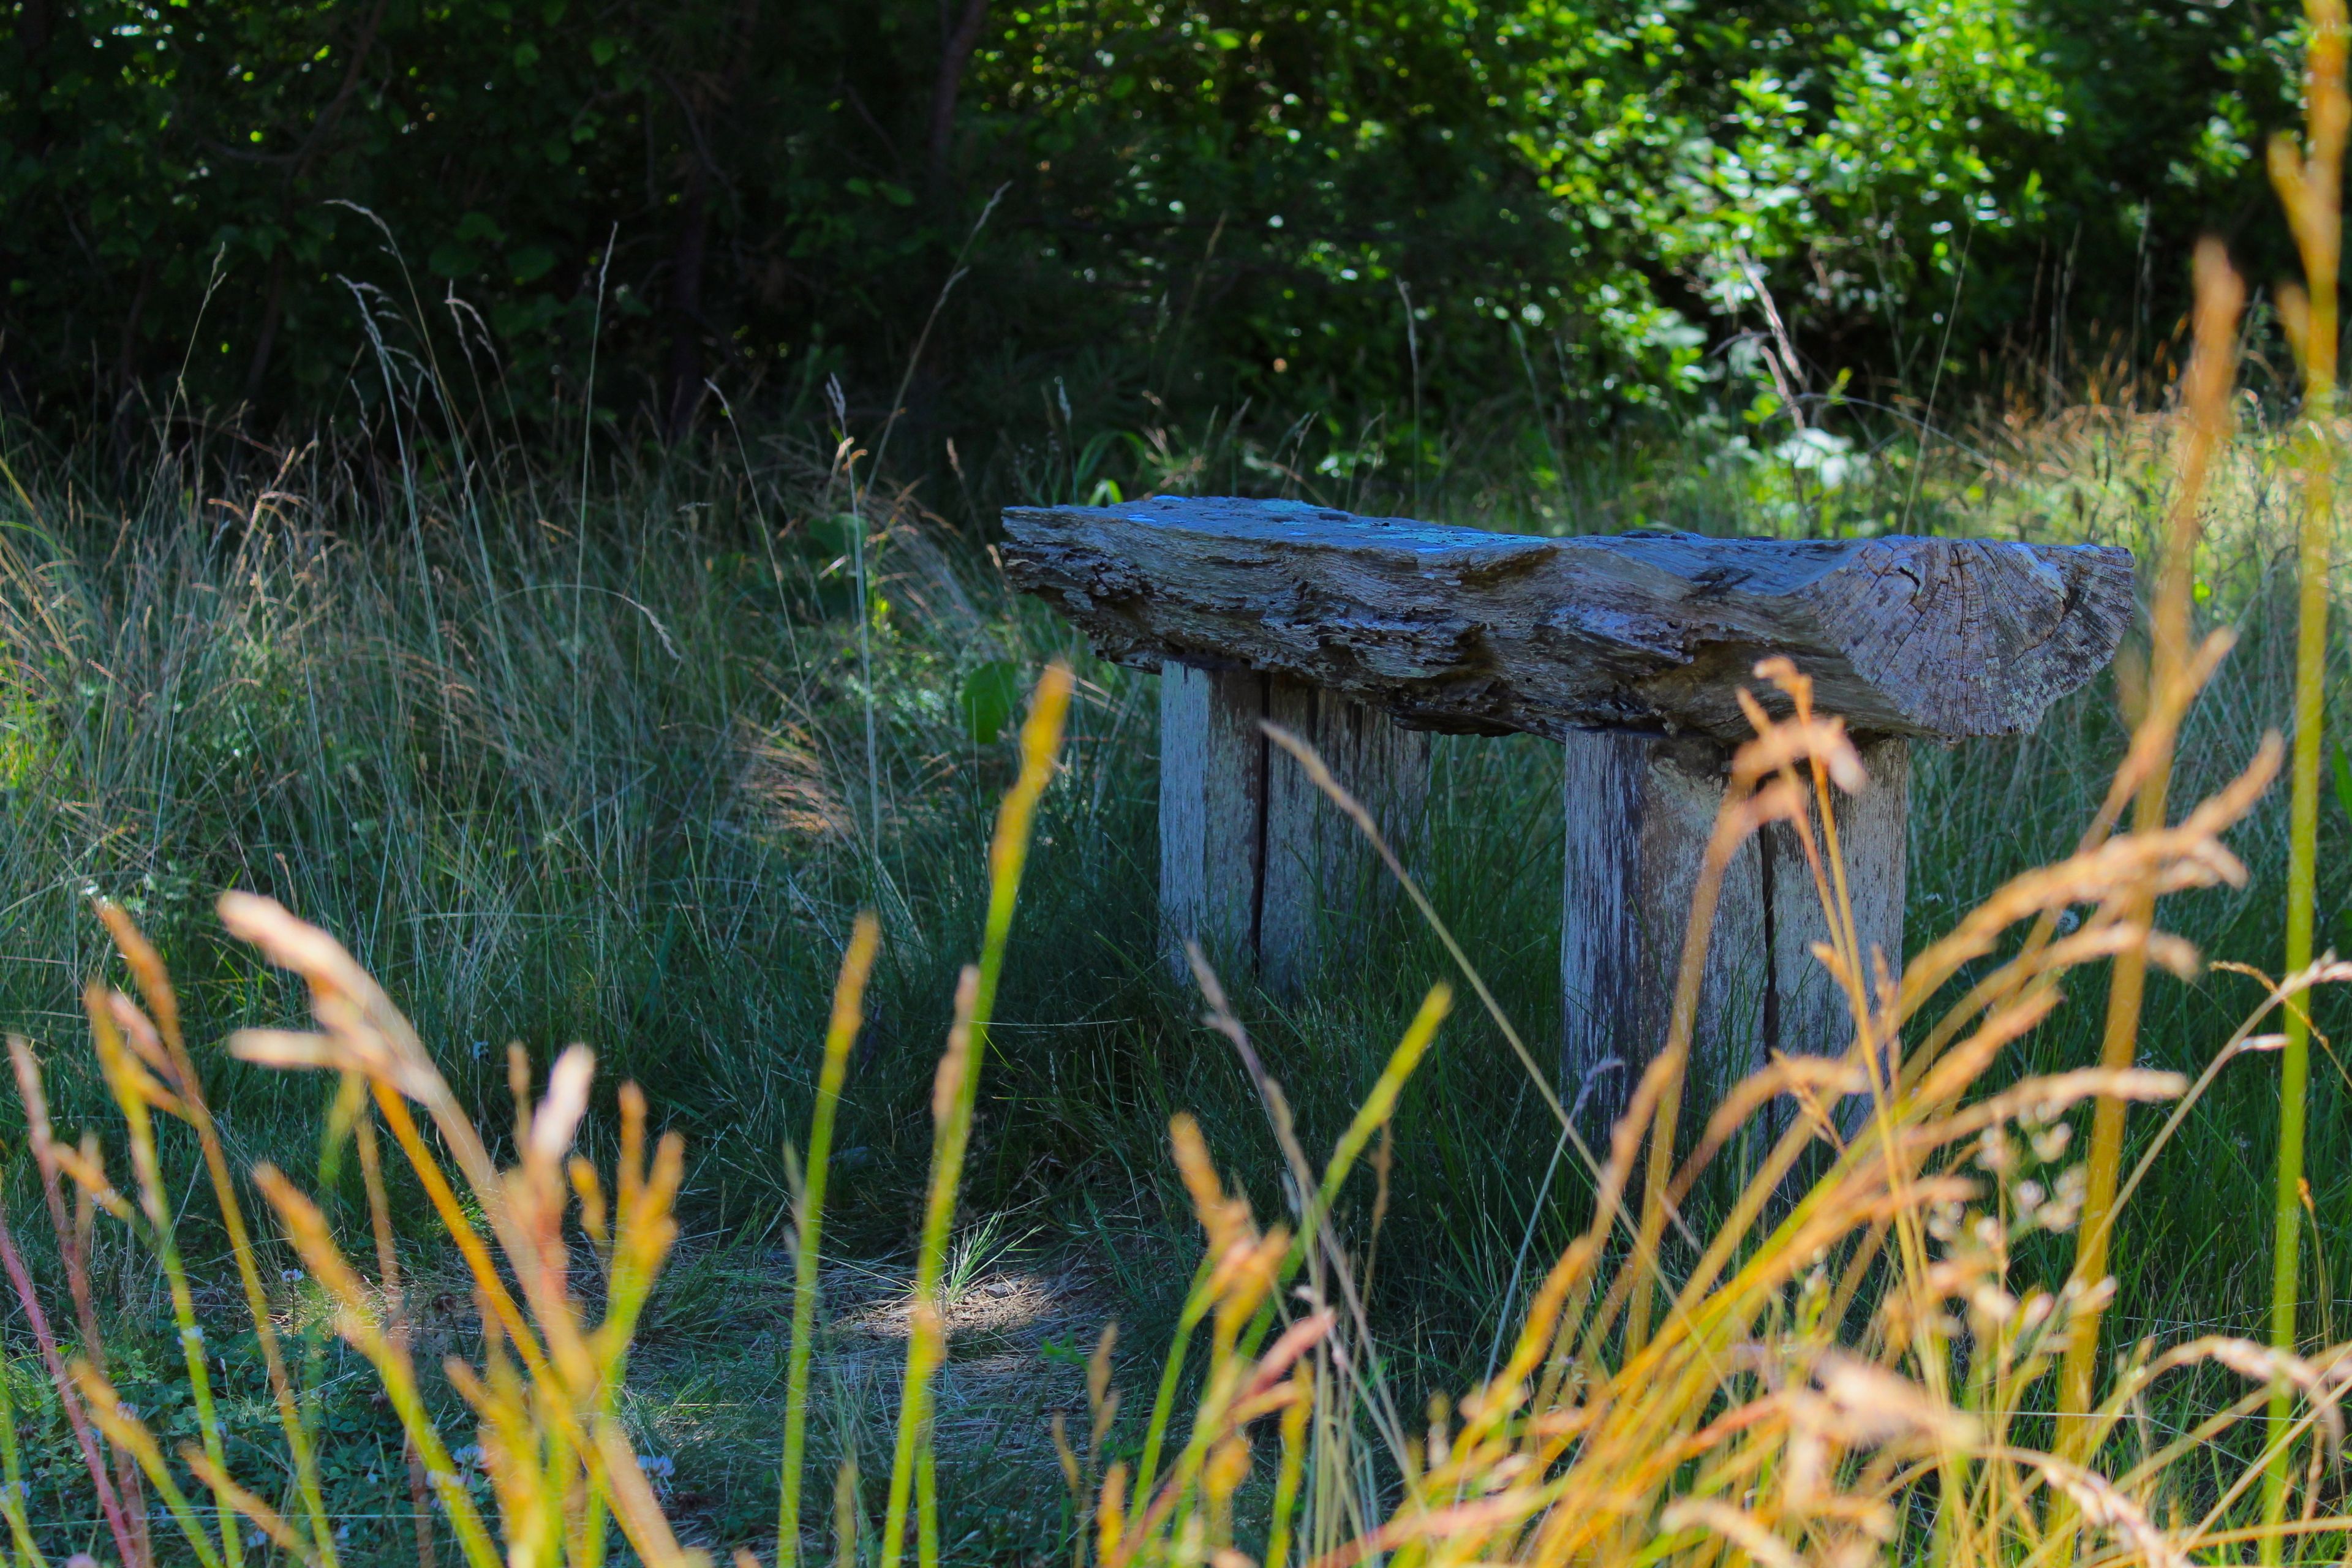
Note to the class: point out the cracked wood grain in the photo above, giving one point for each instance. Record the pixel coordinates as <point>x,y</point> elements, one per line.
<point>1458,630</point>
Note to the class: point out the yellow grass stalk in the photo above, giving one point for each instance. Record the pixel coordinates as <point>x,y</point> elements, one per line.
<point>551,1436</point>
<point>2310,186</point>
<point>845,1513</point>
<point>1102,1403</point>
<point>954,1099</point>
<point>1197,1299</point>
<point>267,1520</point>
<point>387,1262</point>
<point>128,1433</point>
<point>154,983</point>
<point>128,1533</point>
<point>356,1321</point>
<point>1286,1474</point>
<point>140,1094</point>
<point>1749,802</point>
<point>2206,392</point>
<point>1185,1516</point>
<point>841,1034</point>
<point>1588,1471</point>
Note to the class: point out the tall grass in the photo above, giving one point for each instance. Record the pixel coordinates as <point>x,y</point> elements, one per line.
<point>808,1231</point>
<point>954,1099</point>
<point>635,758</point>
<point>2310,184</point>
<point>2174,663</point>
<point>1841,1369</point>
<point>669,871</point>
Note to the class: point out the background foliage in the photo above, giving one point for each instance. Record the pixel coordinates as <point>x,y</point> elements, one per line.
<point>1202,200</point>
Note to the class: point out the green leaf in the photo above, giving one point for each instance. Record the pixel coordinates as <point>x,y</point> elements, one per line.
<point>2343,771</point>
<point>602,50</point>
<point>835,535</point>
<point>989,697</point>
<point>530,263</point>
<point>1225,38</point>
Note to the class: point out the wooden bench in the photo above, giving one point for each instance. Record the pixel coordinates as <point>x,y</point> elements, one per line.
<point>1364,634</point>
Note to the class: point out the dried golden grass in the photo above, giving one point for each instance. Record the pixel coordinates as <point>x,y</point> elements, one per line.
<point>1841,1369</point>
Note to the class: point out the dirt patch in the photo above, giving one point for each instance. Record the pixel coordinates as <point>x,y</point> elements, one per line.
<point>707,1394</point>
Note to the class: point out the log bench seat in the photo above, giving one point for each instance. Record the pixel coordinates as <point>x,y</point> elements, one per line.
<point>1364,634</point>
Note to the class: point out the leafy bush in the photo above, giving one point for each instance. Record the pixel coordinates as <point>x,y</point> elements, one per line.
<point>1200,202</point>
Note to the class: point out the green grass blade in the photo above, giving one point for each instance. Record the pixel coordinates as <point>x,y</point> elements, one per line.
<point>848,1014</point>
<point>12,1483</point>
<point>958,1086</point>
<point>2310,186</point>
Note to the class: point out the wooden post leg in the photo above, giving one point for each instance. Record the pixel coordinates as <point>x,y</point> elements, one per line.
<point>1212,813</point>
<point>1640,809</point>
<point>1255,863</point>
<point>1603,976</point>
<point>1324,880</point>
<point>1812,1013</point>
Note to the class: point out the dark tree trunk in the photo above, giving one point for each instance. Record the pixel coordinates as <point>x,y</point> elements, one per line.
<point>686,368</point>
<point>273,315</point>
<point>273,305</point>
<point>688,325</point>
<point>955,53</point>
<point>126,359</point>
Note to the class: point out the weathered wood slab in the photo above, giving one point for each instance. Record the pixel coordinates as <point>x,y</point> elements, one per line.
<point>1457,629</point>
